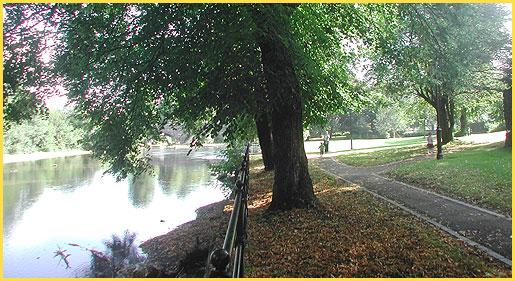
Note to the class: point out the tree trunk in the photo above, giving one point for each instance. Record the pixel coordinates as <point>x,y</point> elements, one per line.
<point>506,102</point>
<point>451,114</point>
<point>292,184</point>
<point>444,110</point>
<point>265,141</point>
<point>442,115</point>
<point>464,125</point>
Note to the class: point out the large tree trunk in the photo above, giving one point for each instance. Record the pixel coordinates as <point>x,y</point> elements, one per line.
<point>292,184</point>
<point>265,141</point>
<point>443,117</point>
<point>444,110</point>
<point>506,102</point>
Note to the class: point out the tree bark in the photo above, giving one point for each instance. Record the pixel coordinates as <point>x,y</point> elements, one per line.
<point>264,133</point>
<point>443,118</point>
<point>444,110</point>
<point>506,102</point>
<point>292,184</point>
<point>451,114</point>
<point>464,125</point>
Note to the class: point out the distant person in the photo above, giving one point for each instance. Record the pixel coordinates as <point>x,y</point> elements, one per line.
<point>326,141</point>
<point>430,145</point>
<point>322,148</point>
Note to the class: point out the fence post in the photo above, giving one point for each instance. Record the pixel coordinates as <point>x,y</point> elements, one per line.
<point>235,237</point>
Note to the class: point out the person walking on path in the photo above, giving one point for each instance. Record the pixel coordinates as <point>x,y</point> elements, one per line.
<point>326,141</point>
<point>430,145</point>
<point>322,148</point>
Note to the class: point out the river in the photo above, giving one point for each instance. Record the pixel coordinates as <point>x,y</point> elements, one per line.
<point>50,204</point>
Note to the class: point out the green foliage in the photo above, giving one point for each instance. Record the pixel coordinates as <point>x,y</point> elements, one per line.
<point>392,120</point>
<point>21,106</point>
<point>196,65</point>
<point>131,69</point>
<point>27,77</point>
<point>444,52</point>
<point>57,131</point>
<point>233,157</point>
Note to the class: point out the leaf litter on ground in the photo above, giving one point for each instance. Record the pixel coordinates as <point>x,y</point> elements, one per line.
<point>351,234</point>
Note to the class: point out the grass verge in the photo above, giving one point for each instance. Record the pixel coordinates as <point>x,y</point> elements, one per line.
<point>351,234</point>
<point>481,175</point>
<point>380,157</point>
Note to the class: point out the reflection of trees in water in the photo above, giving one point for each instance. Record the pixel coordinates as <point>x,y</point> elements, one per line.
<point>179,175</point>
<point>62,173</point>
<point>141,190</point>
<point>24,182</point>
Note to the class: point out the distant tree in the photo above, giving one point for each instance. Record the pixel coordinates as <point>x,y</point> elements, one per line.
<point>391,121</point>
<point>439,50</point>
<point>52,132</point>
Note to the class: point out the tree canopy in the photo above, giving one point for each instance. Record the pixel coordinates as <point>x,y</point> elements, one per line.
<point>133,69</point>
<point>441,52</point>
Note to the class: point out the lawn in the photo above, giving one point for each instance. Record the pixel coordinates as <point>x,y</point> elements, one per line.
<point>480,175</point>
<point>338,145</point>
<point>351,234</point>
<point>384,156</point>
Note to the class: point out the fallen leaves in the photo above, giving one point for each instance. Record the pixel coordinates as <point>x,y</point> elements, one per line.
<point>351,234</point>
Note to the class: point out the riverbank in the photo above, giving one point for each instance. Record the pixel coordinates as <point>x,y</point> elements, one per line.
<point>15,158</point>
<point>356,235</point>
<point>183,251</point>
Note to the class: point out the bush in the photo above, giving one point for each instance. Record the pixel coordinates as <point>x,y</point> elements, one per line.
<point>233,157</point>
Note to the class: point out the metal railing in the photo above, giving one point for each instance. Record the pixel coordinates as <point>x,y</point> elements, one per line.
<point>228,260</point>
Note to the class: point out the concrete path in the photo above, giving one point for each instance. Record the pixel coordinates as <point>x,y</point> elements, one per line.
<point>484,229</point>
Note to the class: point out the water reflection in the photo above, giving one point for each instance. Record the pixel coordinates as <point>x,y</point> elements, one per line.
<point>25,182</point>
<point>178,175</point>
<point>70,200</point>
<point>141,190</point>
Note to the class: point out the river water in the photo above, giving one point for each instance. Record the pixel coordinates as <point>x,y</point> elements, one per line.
<point>49,204</point>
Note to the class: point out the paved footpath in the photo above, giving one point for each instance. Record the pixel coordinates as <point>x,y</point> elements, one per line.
<point>484,229</point>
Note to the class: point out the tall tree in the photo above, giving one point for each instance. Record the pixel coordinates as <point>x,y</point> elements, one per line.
<point>506,94</point>
<point>437,48</point>
<point>292,184</point>
<point>131,69</point>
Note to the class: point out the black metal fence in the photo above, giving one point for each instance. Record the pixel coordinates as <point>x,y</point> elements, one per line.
<point>228,260</point>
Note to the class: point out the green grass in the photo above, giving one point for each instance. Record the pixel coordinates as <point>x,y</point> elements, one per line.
<point>405,141</point>
<point>481,175</point>
<point>380,157</point>
<point>336,144</point>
